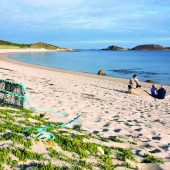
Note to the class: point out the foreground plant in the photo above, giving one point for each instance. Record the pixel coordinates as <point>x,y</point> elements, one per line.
<point>18,143</point>
<point>151,159</point>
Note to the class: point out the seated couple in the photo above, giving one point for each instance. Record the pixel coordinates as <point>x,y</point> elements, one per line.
<point>133,83</point>
<point>158,93</point>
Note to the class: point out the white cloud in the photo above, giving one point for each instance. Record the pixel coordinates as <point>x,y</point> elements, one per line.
<point>81,14</point>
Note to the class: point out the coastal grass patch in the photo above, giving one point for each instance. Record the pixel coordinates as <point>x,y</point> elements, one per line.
<point>86,151</point>
<point>112,138</point>
<point>124,153</point>
<point>42,166</point>
<point>151,159</point>
<point>38,45</point>
<point>9,47</point>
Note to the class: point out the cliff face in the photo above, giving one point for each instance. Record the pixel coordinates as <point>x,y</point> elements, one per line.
<point>149,47</point>
<point>113,47</point>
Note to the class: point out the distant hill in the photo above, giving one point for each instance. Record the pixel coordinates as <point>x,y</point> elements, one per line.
<point>44,45</point>
<point>149,47</point>
<point>139,47</point>
<point>38,45</point>
<point>113,47</point>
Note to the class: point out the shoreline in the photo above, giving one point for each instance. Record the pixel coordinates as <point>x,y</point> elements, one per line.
<point>4,55</point>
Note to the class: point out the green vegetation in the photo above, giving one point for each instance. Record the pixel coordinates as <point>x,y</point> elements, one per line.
<point>10,45</point>
<point>113,138</point>
<point>151,159</point>
<point>132,142</point>
<point>16,150</point>
<point>123,154</point>
<point>43,166</point>
<point>60,156</point>
<point>44,45</point>
<point>24,154</point>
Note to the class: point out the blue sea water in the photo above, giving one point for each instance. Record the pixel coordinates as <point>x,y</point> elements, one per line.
<point>148,65</point>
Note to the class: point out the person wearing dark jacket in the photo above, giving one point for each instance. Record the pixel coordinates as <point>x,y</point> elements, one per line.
<point>161,93</point>
<point>154,91</point>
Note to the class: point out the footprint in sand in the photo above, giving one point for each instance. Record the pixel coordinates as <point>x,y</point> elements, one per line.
<point>116,119</point>
<point>138,130</point>
<point>156,138</point>
<point>145,140</point>
<point>117,130</point>
<point>140,134</point>
<point>165,147</point>
<point>106,125</point>
<point>155,151</point>
<point>95,132</point>
<point>138,152</point>
<point>105,130</point>
<point>147,145</point>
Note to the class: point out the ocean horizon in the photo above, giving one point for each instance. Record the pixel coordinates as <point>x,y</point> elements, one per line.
<point>148,65</point>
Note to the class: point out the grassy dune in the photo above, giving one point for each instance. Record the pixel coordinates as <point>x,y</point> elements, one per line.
<point>10,45</point>
<point>72,148</point>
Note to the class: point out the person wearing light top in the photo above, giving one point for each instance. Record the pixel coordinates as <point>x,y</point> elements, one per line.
<point>133,83</point>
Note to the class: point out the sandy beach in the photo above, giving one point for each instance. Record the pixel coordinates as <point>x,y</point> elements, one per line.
<point>103,103</point>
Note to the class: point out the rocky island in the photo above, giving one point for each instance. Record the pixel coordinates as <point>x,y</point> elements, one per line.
<point>139,47</point>
<point>149,47</point>
<point>113,47</point>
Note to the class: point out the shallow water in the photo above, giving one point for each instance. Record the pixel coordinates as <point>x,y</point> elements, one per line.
<point>148,65</point>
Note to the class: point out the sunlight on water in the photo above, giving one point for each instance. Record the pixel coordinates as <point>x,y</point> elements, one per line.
<point>148,65</point>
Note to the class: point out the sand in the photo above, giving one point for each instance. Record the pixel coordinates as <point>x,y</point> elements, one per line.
<point>103,103</point>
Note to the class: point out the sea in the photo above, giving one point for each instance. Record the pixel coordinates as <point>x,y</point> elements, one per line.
<point>148,65</point>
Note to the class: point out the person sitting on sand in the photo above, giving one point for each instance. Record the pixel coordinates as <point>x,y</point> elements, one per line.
<point>154,91</point>
<point>134,82</point>
<point>161,93</point>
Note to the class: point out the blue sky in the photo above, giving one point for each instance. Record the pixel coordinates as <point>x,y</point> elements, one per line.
<point>86,23</point>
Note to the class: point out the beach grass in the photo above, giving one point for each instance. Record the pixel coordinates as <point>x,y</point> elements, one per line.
<point>71,148</point>
<point>38,45</point>
<point>9,47</point>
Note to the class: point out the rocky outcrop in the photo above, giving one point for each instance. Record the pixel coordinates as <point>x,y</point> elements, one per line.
<point>101,72</point>
<point>113,47</point>
<point>149,81</point>
<point>149,47</point>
